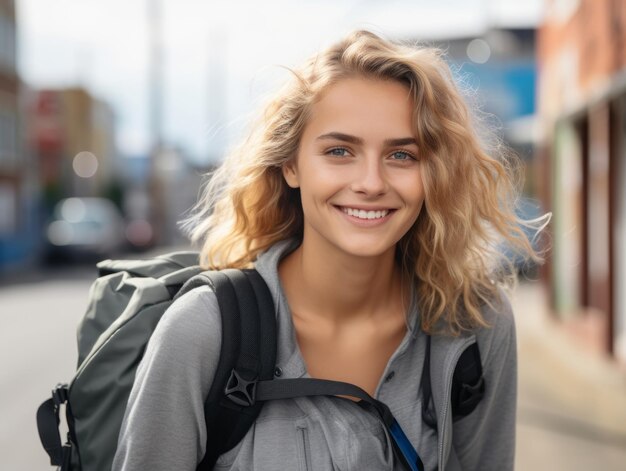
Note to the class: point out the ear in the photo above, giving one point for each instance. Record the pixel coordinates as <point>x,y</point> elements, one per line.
<point>290,173</point>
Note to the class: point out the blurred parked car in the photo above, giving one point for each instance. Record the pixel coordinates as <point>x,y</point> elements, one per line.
<point>85,229</point>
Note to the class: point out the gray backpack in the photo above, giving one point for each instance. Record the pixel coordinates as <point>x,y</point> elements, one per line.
<point>126,303</point>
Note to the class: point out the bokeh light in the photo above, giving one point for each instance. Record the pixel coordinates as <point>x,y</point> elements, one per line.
<point>478,51</point>
<point>85,164</point>
<point>73,210</point>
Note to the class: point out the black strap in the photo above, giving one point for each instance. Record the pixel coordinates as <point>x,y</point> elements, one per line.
<point>231,338</point>
<point>248,362</point>
<point>248,354</point>
<point>267,324</point>
<point>300,387</point>
<point>428,408</point>
<point>48,426</point>
<point>468,385</point>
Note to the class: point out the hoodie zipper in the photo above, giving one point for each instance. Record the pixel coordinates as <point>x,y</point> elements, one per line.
<point>447,392</point>
<point>304,438</point>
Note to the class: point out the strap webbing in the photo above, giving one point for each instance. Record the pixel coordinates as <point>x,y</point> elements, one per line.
<point>248,352</point>
<point>215,416</point>
<point>48,426</point>
<point>248,360</point>
<point>300,387</point>
<point>468,383</point>
<point>267,324</point>
<point>428,408</point>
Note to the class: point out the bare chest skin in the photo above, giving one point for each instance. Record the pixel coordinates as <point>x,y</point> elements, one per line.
<point>357,353</point>
<point>348,320</point>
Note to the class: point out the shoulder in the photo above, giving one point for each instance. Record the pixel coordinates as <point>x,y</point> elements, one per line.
<point>498,313</point>
<point>499,335</point>
<point>164,421</point>
<point>190,323</point>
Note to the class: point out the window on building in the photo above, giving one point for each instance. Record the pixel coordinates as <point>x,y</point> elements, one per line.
<point>7,45</point>
<point>8,138</point>
<point>8,216</point>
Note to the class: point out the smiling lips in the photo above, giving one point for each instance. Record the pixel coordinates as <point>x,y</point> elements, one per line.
<point>363,214</point>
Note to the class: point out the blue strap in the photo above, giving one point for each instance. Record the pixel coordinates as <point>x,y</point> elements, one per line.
<point>404,446</point>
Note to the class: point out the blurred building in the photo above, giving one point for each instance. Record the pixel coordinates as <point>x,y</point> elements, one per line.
<point>158,192</point>
<point>582,161</point>
<point>174,188</point>
<point>496,69</point>
<point>72,135</point>
<point>18,183</point>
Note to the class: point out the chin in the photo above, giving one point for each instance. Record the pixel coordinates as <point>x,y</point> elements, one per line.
<point>367,249</point>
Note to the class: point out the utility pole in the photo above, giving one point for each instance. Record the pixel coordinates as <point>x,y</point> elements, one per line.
<point>156,74</point>
<point>155,79</point>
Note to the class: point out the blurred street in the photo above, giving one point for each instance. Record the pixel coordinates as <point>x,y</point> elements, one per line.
<point>572,406</point>
<point>37,351</point>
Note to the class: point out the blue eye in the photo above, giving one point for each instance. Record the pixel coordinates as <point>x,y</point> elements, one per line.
<point>338,152</point>
<point>401,155</point>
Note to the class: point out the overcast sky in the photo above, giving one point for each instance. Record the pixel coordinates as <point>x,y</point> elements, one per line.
<point>219,57</point>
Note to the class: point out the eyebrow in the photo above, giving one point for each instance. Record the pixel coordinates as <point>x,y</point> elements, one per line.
<point>402,141</point>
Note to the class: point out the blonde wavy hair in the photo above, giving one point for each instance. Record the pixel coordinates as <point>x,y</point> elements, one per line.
<point>452,249</point>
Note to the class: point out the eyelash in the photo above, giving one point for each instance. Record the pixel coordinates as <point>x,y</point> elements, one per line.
<point>407,153</point>
<point>330,151</point>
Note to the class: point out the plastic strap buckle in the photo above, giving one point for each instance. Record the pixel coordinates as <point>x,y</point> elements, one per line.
<point>241,391</point>
<point>59,394</point>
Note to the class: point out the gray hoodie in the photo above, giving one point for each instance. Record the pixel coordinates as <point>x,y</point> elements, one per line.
<point>164,426</point>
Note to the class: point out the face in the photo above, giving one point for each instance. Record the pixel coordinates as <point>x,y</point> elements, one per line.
<point>358,168</point>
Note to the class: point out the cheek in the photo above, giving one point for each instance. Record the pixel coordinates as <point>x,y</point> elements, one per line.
<point>412,188</point>
<point>320,181</point>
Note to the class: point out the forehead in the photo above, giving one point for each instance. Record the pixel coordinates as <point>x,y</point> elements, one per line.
<point>364,106</point>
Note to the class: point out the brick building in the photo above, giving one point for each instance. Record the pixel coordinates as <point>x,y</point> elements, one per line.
<point>582,162</point>
<point>18,179</point>
<point>72,135</point>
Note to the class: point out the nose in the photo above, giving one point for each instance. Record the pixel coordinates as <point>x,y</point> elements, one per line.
<point>370,178</point>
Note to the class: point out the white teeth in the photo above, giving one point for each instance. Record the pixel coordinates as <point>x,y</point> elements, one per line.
<point>362,214</point>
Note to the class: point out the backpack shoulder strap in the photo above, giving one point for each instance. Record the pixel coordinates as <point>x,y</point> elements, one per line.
<point>468,385</point>
<point>248,354</point>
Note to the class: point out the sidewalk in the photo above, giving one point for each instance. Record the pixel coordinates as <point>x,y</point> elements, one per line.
<point>572,402</point>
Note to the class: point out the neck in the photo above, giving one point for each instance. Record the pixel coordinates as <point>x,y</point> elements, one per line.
<point>341,287</point>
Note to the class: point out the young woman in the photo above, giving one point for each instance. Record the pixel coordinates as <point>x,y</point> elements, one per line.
<point>367,203</point>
